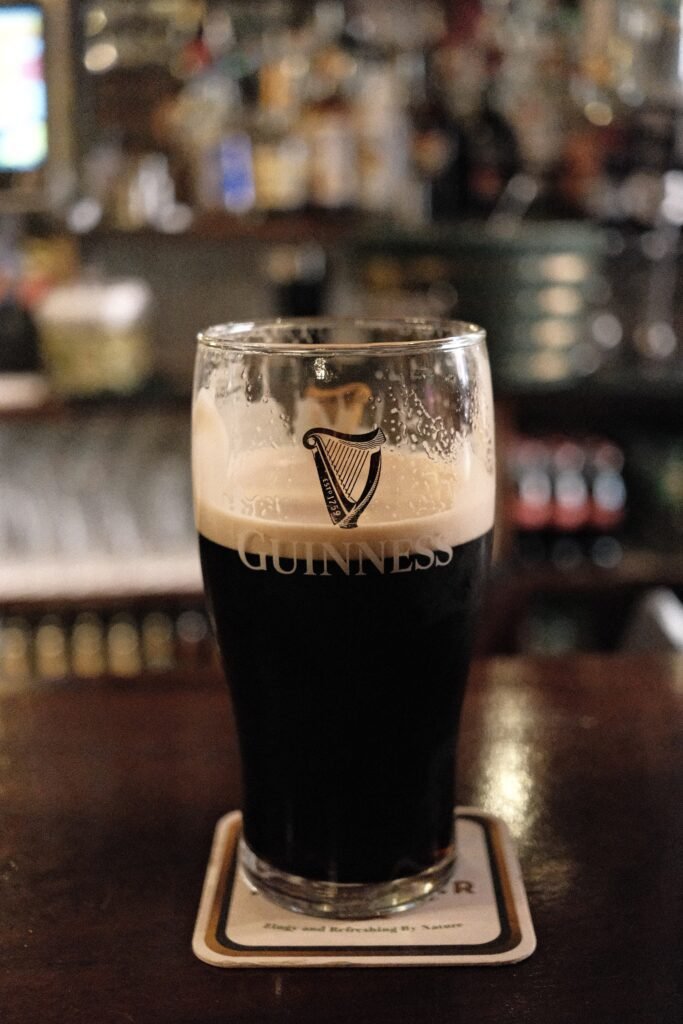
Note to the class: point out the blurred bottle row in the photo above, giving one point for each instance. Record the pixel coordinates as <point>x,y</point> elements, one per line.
<point>568,502</point>
<point>497,118</point>
<point>415,110</point>
<point>92,644</point>
<point>584,500</point>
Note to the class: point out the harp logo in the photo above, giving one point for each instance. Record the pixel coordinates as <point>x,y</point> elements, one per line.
<point>349,467</point>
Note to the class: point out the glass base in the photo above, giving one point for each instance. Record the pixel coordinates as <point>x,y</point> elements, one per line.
<point>355,900</point>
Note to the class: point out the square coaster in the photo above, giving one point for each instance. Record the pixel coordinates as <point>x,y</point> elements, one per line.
<point>480,917</point>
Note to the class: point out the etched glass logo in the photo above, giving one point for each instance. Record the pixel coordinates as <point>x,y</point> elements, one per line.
<point>349,467</point>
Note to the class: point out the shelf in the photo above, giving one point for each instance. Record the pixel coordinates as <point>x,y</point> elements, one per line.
<point>224,227</point>
<point>605,596</point>
<point>616,401</point>
<point>373,231</point>
<point>99,580</point>
<point>639,382</point>
<point>156,396</point>
<point>638,568</point>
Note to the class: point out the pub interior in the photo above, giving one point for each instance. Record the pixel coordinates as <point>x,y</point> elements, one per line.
<point>519,165</point>
<point>167,164</point>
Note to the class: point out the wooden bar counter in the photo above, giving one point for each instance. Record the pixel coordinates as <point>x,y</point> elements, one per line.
<point>109,792</point>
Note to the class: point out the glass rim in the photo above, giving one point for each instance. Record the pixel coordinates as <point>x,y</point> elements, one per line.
<point>243,336</point>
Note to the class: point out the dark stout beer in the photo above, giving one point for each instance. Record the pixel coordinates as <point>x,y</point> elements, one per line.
<point>347,662</point>
<point>343,480</point>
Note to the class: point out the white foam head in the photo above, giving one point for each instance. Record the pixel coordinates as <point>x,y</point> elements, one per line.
<point>249,498</point>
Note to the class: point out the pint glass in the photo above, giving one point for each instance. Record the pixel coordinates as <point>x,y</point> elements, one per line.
<point>344,493</point>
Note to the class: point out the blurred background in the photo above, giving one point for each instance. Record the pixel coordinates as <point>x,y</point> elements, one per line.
<point>166,164</point>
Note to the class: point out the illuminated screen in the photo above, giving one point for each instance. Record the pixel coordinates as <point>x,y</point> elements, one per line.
<point>23,92</point>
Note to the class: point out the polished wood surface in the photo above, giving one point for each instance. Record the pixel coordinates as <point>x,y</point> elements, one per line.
<point>108,797</point>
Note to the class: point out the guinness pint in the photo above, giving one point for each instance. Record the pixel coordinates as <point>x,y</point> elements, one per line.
<point>343,574</point>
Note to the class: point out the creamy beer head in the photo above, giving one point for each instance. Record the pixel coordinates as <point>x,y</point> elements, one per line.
<point>250,500</point>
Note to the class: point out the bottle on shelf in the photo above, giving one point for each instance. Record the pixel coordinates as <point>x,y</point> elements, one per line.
<point>299,277</point>
<point>207,124</point>
<point>439,145</point>
<point>607,503</point>
<point>382,139</point>
<point>532,499</point>
<point>16,651</point>
<point>493,156</point>
<point>327,124</point>
<point>571,503</point>
<point>280,148</point>
<point>88,653</point>
<point>51,649</point>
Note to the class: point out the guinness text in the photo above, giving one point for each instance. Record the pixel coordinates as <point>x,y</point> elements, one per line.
<point>353,558</point>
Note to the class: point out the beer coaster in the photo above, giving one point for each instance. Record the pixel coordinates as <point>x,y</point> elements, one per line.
<point>480,917</point>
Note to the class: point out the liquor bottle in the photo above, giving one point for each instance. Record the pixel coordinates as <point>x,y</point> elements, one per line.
<point>88,655</point>
<point>16,653</point>
<point>328,126</point>
<point>492,156</point>
<point>298,274</point>
<point>608,504</point>
<point>51,656</point>
<point>281,152</point>
<point>571,503</point>
<point>157,641</point>
<point>532,501</point>
<point>19,345</point>
<point>439,146</point>
<point>209,127</point>
<point>19,351</point>
<point>124,657</point>
<point>382,133</point>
